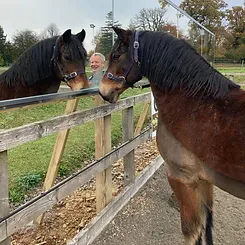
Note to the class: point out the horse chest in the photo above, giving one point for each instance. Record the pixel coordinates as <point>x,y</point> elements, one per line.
<point>180,162</point>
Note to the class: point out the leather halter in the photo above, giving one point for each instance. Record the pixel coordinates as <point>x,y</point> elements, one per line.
<point>122,79</point>
<point>67,77</point>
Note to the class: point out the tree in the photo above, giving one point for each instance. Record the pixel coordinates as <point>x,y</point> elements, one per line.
<point>51,31</point>
<point>103,39</point>
<point>236,25</point>
<point>149,19</point>
<point>172,29</point>
<point>209,13</point>
<point>90,53</point>
<point>2,40</point>
<point>9,53</point>
<point>24,40</point>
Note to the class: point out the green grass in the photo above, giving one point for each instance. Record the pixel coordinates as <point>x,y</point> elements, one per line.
<point>231,69</point>
<point>3,68</point>
<point>28,163</point>
<point>238,78</point>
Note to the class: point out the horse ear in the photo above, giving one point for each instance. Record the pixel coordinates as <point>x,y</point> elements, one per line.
<point>81,35</point>
<point>66,36</point>
<point>122,34</point>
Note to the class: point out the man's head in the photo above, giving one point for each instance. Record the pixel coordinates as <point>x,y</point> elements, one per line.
<point>97,62</point>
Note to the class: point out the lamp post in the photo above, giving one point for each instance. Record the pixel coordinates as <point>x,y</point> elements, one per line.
<point>202,33</point>
<point>177,26</point>
<point>112,21</point>
<point>93,26</point>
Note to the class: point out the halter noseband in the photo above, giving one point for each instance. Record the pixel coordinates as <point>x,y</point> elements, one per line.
<point>122,79</point>
<point>67,77</point>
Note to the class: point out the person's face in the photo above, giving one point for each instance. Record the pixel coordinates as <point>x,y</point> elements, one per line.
<point>96,63</point>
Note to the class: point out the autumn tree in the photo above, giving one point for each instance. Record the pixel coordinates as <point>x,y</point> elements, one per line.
<point>209,13</point>
<point>149,19</point>
<point>236,25</point>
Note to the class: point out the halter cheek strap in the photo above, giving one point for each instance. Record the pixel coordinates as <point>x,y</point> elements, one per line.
<point>67,77</point>
<point>122,79</point>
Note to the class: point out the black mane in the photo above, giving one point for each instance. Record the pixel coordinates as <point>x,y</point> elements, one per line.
<point>33,65</point>
<point>173,63</point>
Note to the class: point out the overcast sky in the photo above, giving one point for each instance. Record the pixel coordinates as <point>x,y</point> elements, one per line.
<point>73,14</point>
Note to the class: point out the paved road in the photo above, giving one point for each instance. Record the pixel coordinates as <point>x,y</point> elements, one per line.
<point>150,219</point>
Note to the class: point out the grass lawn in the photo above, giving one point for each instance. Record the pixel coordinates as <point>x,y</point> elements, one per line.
<point>3,68</point>
<point>231,69</point>
<point>238,78</point>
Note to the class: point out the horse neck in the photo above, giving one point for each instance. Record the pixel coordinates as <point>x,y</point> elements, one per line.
<point>188,72</point>
<point>24,71</point>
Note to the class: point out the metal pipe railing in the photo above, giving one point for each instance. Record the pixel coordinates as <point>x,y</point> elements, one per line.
<point>34,100</point>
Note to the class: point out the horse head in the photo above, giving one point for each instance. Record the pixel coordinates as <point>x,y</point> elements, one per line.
<point>69,59</point>
<point>124,66</point>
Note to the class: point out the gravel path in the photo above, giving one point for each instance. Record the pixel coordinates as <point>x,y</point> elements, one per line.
<point>151,219</point>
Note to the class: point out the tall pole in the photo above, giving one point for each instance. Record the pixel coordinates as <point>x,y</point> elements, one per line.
<point>93,38</point>
<point>93,26</point>
<point>112,22</point>
<point>177,27</point>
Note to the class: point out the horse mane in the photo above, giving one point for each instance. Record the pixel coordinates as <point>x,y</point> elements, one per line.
<point>173,63</point>
<point>33,65</point>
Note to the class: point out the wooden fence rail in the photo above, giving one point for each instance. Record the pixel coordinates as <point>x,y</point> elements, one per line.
<point>101,168</point>
<point>33,131</point>
<point>31,210</point>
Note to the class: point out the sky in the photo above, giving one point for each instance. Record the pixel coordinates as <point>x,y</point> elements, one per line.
<point>36,15</point>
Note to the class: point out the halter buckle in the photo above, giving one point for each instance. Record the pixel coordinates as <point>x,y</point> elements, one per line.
<point>136,45</point>
<point>73,74</point>
<point>65,78</point>
<point>110,75</point>
<point>122,78</point>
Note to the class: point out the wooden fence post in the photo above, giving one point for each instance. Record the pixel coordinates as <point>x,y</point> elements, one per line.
<point>128,133</point>
<point>58,151</point>
<point>102,146</point>
<point>142,118</point>
<point>4,198</point>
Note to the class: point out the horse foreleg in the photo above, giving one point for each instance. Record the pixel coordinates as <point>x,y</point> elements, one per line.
<point>195,203</point>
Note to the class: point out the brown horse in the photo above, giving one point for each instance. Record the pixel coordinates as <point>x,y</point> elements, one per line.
<point>201,121</point>
<point>41,68</point>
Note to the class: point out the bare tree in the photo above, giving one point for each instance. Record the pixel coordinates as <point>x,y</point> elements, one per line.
<point>51,31</point>
<point>149,19</point>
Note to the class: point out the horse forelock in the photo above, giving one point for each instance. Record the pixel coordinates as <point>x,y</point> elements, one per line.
<point>172,63</point>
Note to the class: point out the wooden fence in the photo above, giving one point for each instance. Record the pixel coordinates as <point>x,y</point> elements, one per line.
<point>11,222</point>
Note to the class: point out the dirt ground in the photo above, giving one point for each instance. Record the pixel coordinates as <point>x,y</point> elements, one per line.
<point>72,214</point>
